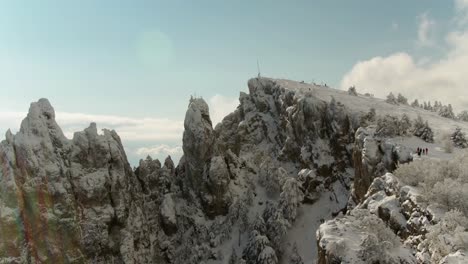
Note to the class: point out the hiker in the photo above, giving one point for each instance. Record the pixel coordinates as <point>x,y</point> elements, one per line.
<point>419,152</point>
<point>427,151</point>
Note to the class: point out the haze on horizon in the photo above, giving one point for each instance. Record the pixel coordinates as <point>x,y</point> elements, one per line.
<point>132,66</point>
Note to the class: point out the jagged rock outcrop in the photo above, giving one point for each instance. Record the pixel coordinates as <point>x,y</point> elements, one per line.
<point>390,211</point>
<point>367,233</point>
<point>373,156</point>
<point>207,174</point>
<point>89,206</point>
<point>69,200</point>
<point>360,237</point>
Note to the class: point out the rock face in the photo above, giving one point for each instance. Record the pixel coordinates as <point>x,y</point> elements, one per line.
<point>68,200</point>
<point>390,211</point>
<point>373,157</point>
<point>79,201</point>
<point>207,174</point>
<point>367,233</point>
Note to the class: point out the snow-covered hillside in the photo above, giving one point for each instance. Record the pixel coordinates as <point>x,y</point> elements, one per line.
<point>263,186</point>
<point>363,103</point>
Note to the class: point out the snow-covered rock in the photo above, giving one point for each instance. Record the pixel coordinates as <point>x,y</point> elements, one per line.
<point>458,257</point>
<point>373,156</point>
<point>75,200</point>
<point>168,215</point>
<point>360,237</point>
<point>279,165</point>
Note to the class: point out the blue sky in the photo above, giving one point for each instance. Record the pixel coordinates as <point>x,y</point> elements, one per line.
<point>138,59</point>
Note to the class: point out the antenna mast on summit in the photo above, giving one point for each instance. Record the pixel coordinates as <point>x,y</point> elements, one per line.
<point>258,67</point>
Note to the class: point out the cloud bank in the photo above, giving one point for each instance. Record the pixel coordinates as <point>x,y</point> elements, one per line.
<point>141,136</point>
<point>442,79</point>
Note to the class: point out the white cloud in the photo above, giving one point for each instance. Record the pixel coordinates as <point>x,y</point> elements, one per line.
<point>129,128</point>
<point>437,79</point>
<point>10,120</point>
<point>425,30</point>
<point>159,150</point>
<point>221,106</point>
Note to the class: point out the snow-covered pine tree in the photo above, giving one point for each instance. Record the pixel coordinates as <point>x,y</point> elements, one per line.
<point>391,99</point>
<point>256,244</point>
<point>267,256</point>
<point>371,115</point>
<point>401,99</point>
<point>387,126</point>
<point>290,198</point>
<point>405,125</point>
<point>447,111</point>
<point>463,116</point>
<point>425,106</point>
<point>276,225</point>
<point>427,134</point>
<point>418,124</point>
<point>422,130</point>
<point>436,106</point>
<point>415,103</point>
<point>429,107</point>
<point>459,139</point>
<point>368,118</point>
<point>295,258</point>
<point>258,224</point>
<point>352,91</point>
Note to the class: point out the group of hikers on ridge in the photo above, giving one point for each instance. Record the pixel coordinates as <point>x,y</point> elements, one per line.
<point>423,151</point>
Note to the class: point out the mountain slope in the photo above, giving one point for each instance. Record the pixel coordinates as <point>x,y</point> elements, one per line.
<point>254,189</point>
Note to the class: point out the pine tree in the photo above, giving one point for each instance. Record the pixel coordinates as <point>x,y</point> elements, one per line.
<point>463,116</point>
<point>401,99</point>
<point>352,91</point>
<point>415,103</point>
<point>368,118</point>
<point>256,244</point>
<point>459,139</point>
<point>447,111</point>
<point>387,126</point>
<point>258,224</point>
<point>425,106</point>
<point>277,226</point>
<point>418,124</point>
<point>427,134</point>
<point>267,256</point>
<point>422,130</point>
<point>371,115</point>
<point>405,124</point>
<point>290,198</point>
<point>391,99</point>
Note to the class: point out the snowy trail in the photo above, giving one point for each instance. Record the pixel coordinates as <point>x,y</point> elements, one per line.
<point>303,232</point>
